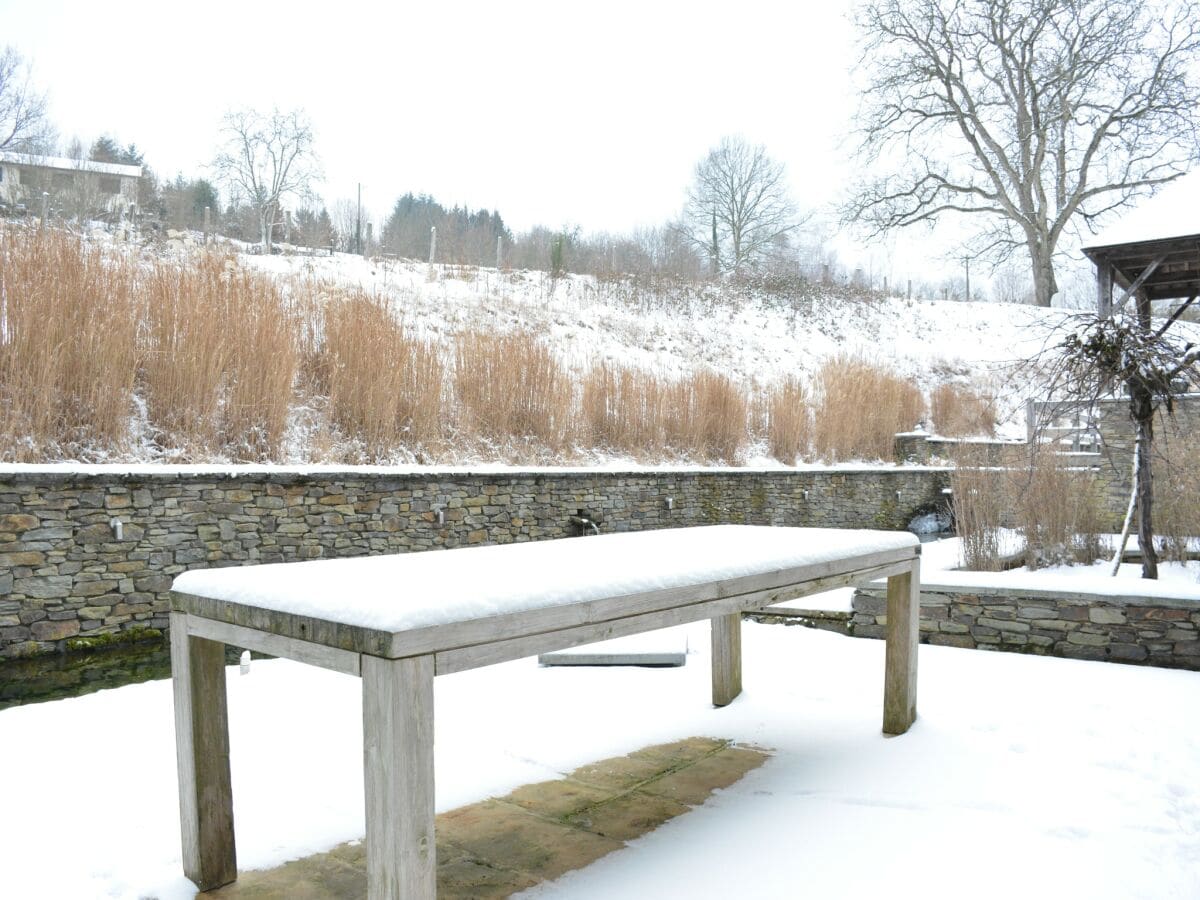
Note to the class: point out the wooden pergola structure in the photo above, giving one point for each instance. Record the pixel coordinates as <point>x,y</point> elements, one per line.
<point>1152,253</point>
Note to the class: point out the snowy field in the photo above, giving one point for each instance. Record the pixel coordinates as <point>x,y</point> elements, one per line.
<point>1023,776</point>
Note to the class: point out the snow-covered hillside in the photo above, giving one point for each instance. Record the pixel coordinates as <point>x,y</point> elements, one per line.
<point>753,332</point>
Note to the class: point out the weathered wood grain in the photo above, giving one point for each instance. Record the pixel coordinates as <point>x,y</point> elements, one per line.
<point>202,754</point>
<point>900,662</point>
<point>398,761</point>
<point>320,655</point>
<point>726,658</point>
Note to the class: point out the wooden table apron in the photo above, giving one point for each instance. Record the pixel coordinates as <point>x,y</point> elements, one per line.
<point>398,694</point>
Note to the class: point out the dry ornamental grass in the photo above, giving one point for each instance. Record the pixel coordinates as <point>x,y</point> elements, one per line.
<point>860,407</point>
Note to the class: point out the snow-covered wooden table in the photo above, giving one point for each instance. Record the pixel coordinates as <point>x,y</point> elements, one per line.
<point>398,621</point>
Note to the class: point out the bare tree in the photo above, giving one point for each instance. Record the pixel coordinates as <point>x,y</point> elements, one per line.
<point>267,159</point>
<point>738,209</point>
<point>23,124</point>
<point>1032,115</point>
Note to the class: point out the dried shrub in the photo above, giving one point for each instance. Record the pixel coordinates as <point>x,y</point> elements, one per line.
<point>1059,511</point>
<point>69,317</point>
<point>1177,498</point>
<point>789,420</point>
<point>959,411</point>
<point>979,506</point>
<point>385,388</point>
<point>513,386</point>
<point>860,407</point>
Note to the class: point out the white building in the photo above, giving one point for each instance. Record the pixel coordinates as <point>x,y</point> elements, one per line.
<point>77,186</point>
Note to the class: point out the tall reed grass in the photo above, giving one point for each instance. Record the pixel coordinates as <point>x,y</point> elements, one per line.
<point>859,407</point>
<point>384,387</point>
<point>789,420</point>
<point>69,319</point>
<point>959,411</point>
<point>705,416</point>
<point>622,409</point>
<point>221,358</point>
<point>513,387</point>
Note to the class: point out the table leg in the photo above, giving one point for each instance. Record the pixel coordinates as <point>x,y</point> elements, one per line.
<point>726,658</point>
<point>202,754</point>
<point>900,666</point>
<point>398,760</point>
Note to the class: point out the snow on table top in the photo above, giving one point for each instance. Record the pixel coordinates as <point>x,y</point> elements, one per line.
<point>1172,212</point>
<point>416,590</point>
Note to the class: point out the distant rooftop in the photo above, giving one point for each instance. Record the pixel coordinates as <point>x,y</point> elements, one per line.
<point>69,165</point>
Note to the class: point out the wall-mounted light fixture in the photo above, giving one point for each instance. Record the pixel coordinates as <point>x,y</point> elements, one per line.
<point>117,528</point>
<point>439,515</point>
<point>670,503</point>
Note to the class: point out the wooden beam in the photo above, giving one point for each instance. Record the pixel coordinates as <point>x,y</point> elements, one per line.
<point>313,654</point>
<point>486,653</point>
<point>726,658</point>
<point>202,755</point>
<point>1138,282</point>
<point>398,778</point>
<point>900,662</point>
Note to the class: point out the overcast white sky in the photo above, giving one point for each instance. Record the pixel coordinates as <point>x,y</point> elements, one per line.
<point>552,113</point>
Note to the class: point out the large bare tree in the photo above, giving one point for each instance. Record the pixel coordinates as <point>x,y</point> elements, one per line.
<point>23,124</point>
<point>266,159</point>
<point>738,208</point>
<point>1030,116</point>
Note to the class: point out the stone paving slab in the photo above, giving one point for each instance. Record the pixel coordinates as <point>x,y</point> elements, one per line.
<point>501,846</point>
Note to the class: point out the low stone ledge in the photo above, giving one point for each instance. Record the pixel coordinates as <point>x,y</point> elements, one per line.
<point>1136,628</point>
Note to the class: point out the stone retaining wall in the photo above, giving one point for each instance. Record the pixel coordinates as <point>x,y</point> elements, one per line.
<point>68,579</point>
<point>1151,630</point>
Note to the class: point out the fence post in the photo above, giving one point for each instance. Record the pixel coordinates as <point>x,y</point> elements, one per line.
<point>499,246</point>
<point>366,248</point>
<point>207,223</point>
<point>45,207</point>
<point>909,297</point>
<point>432,244</point>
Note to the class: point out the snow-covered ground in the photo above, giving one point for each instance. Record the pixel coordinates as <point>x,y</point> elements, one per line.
<point>1023,776</point>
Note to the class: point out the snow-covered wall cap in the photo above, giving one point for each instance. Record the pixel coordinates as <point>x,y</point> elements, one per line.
<point>69,165</point>
<point>1173,212</point>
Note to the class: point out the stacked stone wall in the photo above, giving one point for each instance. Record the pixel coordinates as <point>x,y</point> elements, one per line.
<point>1150,630</point>
<point>89,556</point>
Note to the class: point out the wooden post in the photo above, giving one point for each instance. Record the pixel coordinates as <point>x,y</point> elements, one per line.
<point>398,761</point>
<point>45,207</point>
<point>726,658</point>
<point>287,226</point>
<point>499,248</point>
<point>909,296</point>
<point>900,657</point>
<point>1104,285</point>
<point>202,754</point>
<point>432,244</point>
<point>207,223</point>
<point>885,286</point>
<point>366,247</point>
